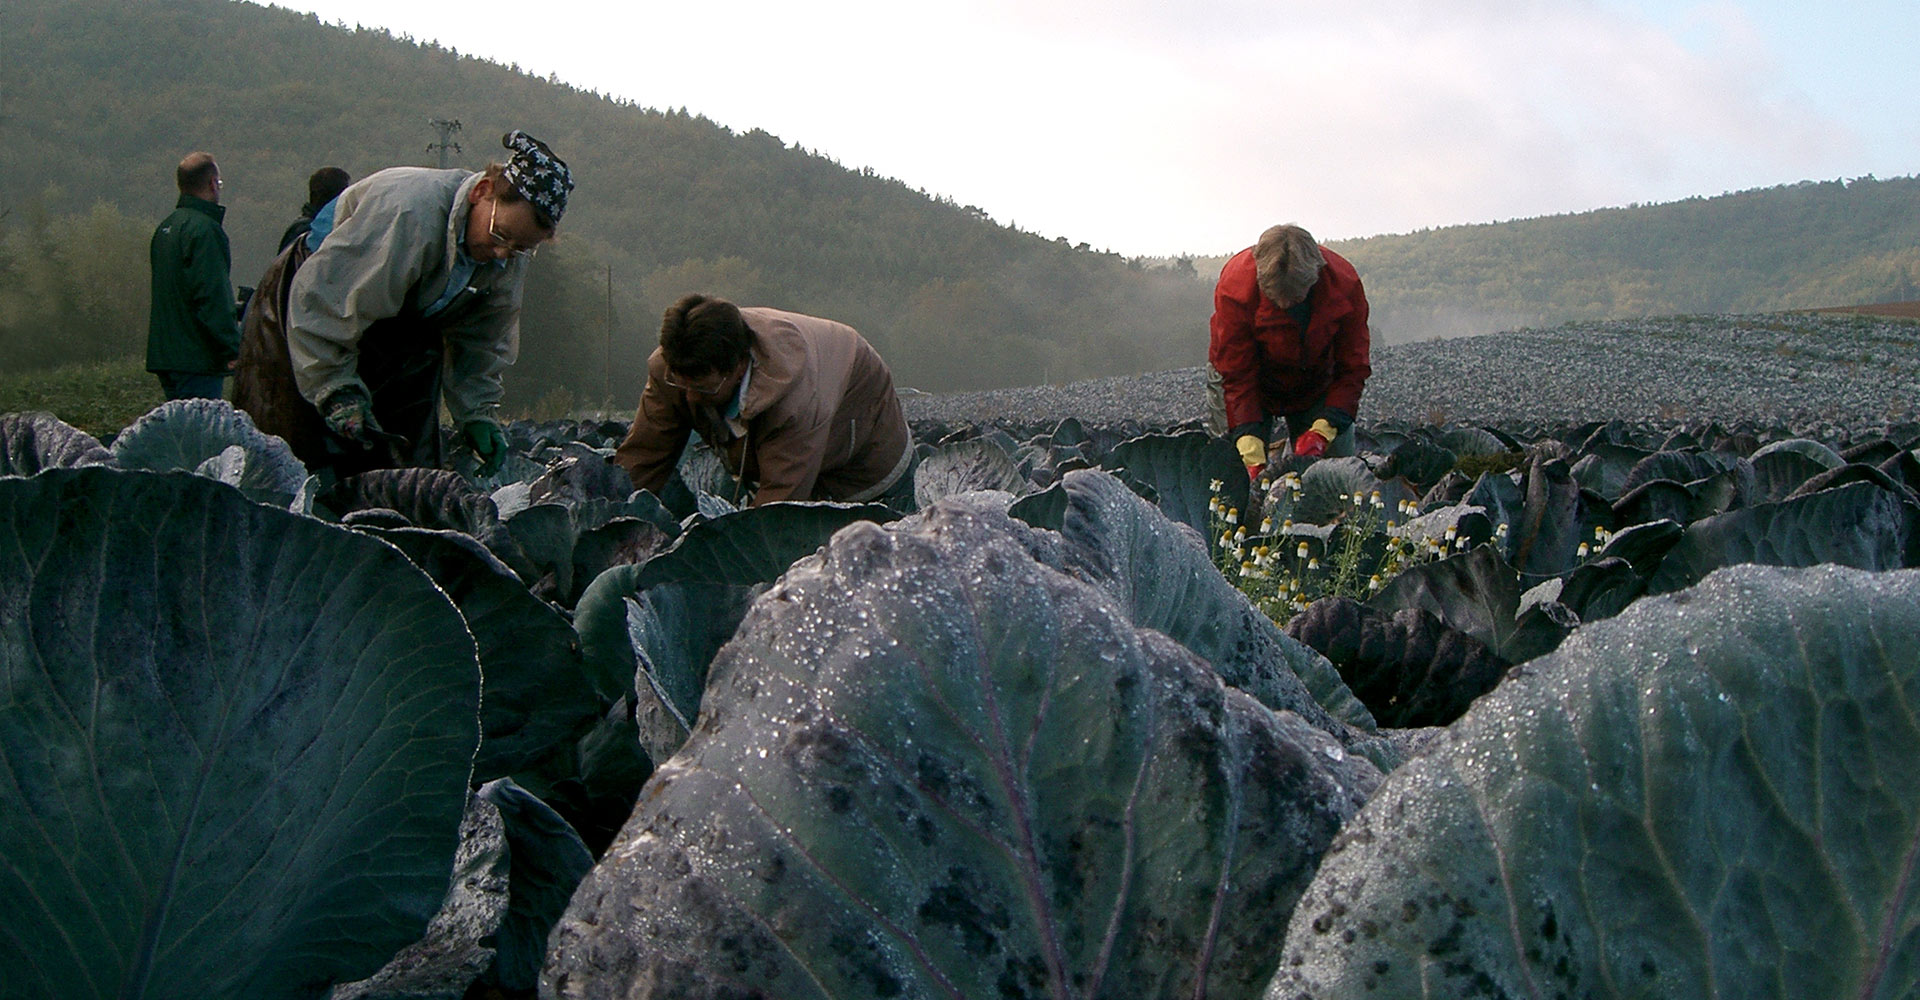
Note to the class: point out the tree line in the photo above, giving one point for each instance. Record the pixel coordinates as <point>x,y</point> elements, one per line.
<point>668,202</point>
<point>100,98</point>
<point>1794,246</point>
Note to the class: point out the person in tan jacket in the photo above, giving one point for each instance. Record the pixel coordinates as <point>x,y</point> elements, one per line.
<point>801,406</point>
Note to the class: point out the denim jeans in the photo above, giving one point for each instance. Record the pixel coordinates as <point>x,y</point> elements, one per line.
<point>192,385</point>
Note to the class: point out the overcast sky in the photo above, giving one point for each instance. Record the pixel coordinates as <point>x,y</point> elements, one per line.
<point>1151,127</point>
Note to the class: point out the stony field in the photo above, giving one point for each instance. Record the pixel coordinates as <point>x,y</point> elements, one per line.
<point>1812,372</point>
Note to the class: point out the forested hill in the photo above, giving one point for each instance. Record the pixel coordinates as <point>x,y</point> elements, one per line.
<point>1798,246</point>
<point>100,98</point>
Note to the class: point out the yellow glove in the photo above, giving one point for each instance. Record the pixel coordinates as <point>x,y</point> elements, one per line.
<point>1325,430</point>
<point>1252,448</point>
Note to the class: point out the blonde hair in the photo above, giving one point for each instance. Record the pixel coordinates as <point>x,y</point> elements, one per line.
<point>1286,263</point>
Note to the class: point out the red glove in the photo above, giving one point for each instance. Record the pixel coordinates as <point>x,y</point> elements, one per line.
<point>1313,443</point>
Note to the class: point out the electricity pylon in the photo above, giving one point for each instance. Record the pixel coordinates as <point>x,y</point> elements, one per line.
<point>447,127</point>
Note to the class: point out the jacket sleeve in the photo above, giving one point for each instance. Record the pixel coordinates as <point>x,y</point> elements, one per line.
<point>1351,361</point>
<point>211,287</point>
<point>790,456</point>
<point>479,351</point>
<point>653,443</point>
<point>361,274</point>
<point>1233,353</point>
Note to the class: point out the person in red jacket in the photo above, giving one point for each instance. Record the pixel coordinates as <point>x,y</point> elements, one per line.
<point>1289,339</point>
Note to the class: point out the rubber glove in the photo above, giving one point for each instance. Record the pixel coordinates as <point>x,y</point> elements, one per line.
<point>1313,443</point>
<point>349,413</point>
<point>489,444</point>
<point>1253,454</point>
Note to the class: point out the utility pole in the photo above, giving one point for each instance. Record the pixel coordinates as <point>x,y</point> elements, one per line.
<point>446,127</point>
<point>608,366</point>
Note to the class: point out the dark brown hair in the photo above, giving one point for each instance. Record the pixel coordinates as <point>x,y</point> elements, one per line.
<point>701,334</point>
<point>325,184</point>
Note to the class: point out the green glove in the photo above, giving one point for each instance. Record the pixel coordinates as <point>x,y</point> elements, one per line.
<point>349,413</point>
<point>489,444</point>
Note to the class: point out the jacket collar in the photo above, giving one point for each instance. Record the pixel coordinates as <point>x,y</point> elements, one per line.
<point>776,362</point>
<point>1328,297</point>
<point>213,209</point>
<point>1328,303</point>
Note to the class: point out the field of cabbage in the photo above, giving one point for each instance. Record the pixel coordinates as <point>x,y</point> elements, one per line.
<point>1638,720</point>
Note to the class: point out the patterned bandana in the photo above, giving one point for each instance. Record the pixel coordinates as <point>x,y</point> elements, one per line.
<point>541,177</point>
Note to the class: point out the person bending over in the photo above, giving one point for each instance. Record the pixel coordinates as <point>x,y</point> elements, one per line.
<point>801,408</point>
<point>1289,339</point>
<point>406,290</point>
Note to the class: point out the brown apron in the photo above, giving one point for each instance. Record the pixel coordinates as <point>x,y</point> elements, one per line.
<point>400,362</point>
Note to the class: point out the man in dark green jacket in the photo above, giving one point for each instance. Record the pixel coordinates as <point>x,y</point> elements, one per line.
<point>193,335</point>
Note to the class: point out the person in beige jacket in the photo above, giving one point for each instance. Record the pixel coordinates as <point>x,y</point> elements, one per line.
<point>801,406</point>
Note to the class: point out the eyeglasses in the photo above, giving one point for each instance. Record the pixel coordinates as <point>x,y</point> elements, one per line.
<point>501,241</point>
<point>709,386</point>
